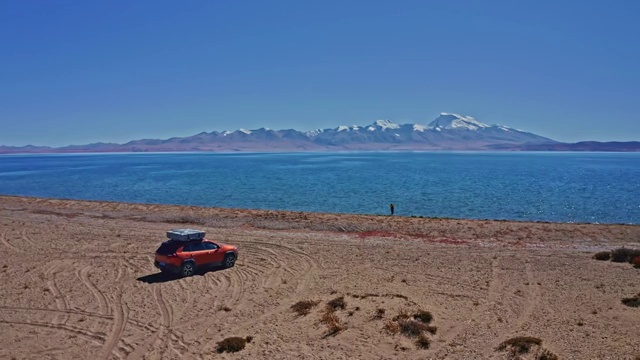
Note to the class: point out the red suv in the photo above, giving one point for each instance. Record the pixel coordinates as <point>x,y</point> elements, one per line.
<point>184,257</point>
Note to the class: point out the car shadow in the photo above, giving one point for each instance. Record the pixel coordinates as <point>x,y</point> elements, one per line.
<point>161,277</point>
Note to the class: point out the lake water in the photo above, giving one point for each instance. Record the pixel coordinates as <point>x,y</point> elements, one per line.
<point>558,187</point>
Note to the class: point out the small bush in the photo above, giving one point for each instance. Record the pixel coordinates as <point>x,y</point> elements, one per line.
<point>402,315</point>
<point>231,344</point>
<point>423,316</point>
<point>332,321</point>
<point>521,344</point>
<point>303,308</point>
<point>249,339</point>
<point>337,303</point>
<point>632,301</point>
<point>392,327</point>
<point>412,328</point>
<point>624,254</point>
<point>379,314</point>
<point>547,355</point>
<point>423,342</point>
<point>602,255</point>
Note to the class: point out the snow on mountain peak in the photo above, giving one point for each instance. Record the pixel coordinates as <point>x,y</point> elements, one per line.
<point>347,128</point>
<point>386,124</point>
<point>419,128</point>
<point>450,121</point>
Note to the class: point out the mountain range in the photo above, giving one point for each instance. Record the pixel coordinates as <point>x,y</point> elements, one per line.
<point>447,132</point>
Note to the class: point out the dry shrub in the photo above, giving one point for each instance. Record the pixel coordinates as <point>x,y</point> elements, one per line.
<point>423,316</point>
<point>379,314</point>
<point>304,307</point>
<point>546,355</point>
<point>632,301</point>
<point>602,255</point>
<point>231,344</point>
<point>332,321</point>
<point>402,315</point>
<point>520,344</point>
<point>337,303</point>
<point>624,254</point>
<point>392,327</point>
<point>412,328</point>
<point>423,342</point>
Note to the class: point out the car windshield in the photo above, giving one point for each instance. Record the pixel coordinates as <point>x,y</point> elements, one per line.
<point>168,247</point>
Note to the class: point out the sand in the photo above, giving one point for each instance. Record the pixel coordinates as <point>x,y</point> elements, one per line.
<point>78,282</point>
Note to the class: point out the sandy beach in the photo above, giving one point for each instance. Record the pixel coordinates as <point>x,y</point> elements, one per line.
<point>78,282</point>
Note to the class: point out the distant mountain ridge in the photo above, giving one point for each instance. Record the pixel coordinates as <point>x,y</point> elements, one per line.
<point>447,132</point>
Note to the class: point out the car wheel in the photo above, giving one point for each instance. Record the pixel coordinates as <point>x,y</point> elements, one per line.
<point>188,269</point>
<point>229,261</point>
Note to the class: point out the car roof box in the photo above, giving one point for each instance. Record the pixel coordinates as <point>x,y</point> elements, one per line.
<point>185,234</point>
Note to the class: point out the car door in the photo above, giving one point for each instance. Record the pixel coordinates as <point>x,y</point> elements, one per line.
<point>198,253</point>
<point>214,255</point>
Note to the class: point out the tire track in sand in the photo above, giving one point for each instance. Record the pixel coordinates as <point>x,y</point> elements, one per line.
<point>161,341</point>
<point>3,240</point>
<point>103,304</point>
<point>532,298</point>
<point>121,315</point>
<point>59,298</point>
<point>96,338</point>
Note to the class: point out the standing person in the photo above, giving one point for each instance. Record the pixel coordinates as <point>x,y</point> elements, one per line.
<point>391,208</point>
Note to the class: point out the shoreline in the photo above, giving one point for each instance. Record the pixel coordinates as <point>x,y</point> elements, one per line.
<point>254,210</point>
<point>493,231</point>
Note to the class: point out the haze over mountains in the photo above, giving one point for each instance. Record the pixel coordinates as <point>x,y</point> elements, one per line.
<point>447,132</point>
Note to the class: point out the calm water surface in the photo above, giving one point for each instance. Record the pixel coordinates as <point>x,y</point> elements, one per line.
<point>559,187</point>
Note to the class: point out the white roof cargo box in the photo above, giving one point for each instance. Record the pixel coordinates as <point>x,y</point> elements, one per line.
<point>185,234</point>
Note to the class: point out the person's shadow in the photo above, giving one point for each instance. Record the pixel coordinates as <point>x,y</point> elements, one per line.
<point>161,277</point>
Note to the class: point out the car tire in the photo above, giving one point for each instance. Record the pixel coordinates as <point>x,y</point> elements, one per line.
<point>229,261</point>
<point>188,269</point>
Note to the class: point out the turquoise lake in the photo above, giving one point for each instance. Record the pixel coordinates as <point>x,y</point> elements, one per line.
<point>557,187</point>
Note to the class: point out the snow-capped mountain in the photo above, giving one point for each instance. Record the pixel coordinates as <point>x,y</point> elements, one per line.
<point>447,121</point>
<point>447,132</point>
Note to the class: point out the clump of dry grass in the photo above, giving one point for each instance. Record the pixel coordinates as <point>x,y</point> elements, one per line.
<point>332,321</point>
<point>329,317</point>
<point>337,303</point>
<point>548,355</point>
<point>233,344</point>
<point>412,328</point>
<point>392,327</point>
<point>520,344</point>
<point>379,314</point>
<point>633,301</point>
<point>303,308</point>
<point>423,316</point>
<point>423,342</point>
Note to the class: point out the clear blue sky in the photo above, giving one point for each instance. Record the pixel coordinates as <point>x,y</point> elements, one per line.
<point>74,72</point>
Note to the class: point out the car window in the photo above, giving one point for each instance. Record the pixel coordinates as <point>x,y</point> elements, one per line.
<point>198,246</point>
<point>187,247</point>
<point>168,248</point>
<point>210,245</point>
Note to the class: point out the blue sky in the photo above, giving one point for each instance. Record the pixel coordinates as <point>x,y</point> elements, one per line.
<point>74,72</point>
